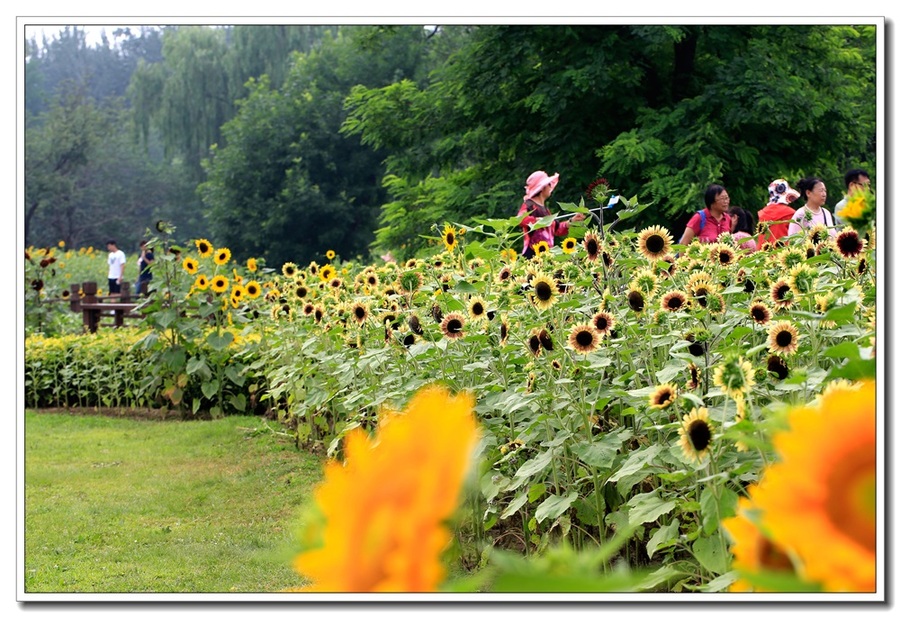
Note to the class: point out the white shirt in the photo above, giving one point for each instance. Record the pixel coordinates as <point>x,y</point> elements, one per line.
<point>799,222</point>
<point>116,261</point>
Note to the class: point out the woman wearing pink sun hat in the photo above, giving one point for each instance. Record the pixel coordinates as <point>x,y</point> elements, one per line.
<point>538,188</point>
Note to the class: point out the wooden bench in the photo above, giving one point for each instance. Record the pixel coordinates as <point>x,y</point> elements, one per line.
<point>93,307</point>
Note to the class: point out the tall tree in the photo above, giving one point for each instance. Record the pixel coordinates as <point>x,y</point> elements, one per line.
<point>287,185</point>
<point>661,111</point>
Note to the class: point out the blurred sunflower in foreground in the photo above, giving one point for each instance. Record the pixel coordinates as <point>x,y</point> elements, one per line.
<point>379,518</point>
<point>813,515</point>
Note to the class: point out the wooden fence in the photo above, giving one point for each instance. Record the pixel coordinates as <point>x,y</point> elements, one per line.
<point>93,307</point>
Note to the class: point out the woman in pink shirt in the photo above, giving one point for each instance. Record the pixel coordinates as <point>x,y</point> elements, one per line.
<point>742,228</point>
<point>713,220</point>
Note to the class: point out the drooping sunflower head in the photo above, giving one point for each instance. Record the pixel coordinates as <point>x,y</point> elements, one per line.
<point>673,301</point>
<point>603,322</point>
<point>696,434</point>
<point>802,279</point>
<point>568,245</point>
<point>734,375</point>
<point>449,237</point>
<point>319,313</point>
<point>693,376</point>
<point>663,396</point>
<point>817,234</point>
<point>583,338</point>
<point>783,338</point>
<point>410,281</point>
<point>591,246</point>
<point>760,313</point>
<point>504,330</point>
<point>654,242</point>
<point>452,325</point>
<point>849,244</point>
<point>204,248</point>
<point>646,280</point>
<point>190,265</point>
<point>545,292</point>
<point>534,342</point>
<point>777,365</point>
<point>222,256</point>
<point>219,284</point>
<point>545,339</point>
<point>635,299</point>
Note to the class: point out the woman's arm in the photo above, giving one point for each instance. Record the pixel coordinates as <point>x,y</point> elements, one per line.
<point>687,236</point>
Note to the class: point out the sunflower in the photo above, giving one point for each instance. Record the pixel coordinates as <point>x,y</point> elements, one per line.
<point>504,330</point>
<point>238,291</point>
<point>219,283</point>
<point>360,312</point>
<point>545,340</point>
<point>698,279</point>
<point>436,313</point>
<point>313,268</point>
<point>415,325</point>
<point>849,244</point>
<point>603,322</point>
<point>449,237</point>
<point>781,294</point>
<point>584,338</point>
<point>545,292</point>
<point>802,279</point>
<point>568,245</point>
<point>699,292</point>
<point>783,338</point>
<point>65,294</point>
<point>760,313</point>
<point>201,282</point>
<point>222,256</point>
<point>715,303</point>
<point>252,289</point>
<point>204,248</point>
<point>635,300</point>
<point>819,500</point>
<point>329,254</point>
<point>791,256</point>
<point>734,376</point>
<point>591,246</point>
<point>252,264</point>
<point>509,255</point>
<point>336,283</point>
<point>289,269</point>
<point>654,242</point>
<point>190,265</point>
<point>308,309</point>
<point>776,364</point>
<point>646,280</point>
<point>696,434</point>
<point>673,301</point>
<point>383,488</point>
<point>452,325</point>
<point>693,376</point>
<point>410,281</point>
<point>504,274</point>
<point>663,396</point>
<point>723,255</point>
<point>540,248</point>
<point>477,308</point>
<point>754,552</point>
<point>327,272</point>
<point>534,342</point>
<point>372,280</point>
<point>817,234</point>
<point>301,292</point>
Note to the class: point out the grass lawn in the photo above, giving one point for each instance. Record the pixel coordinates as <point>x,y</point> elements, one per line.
<point>125,505</point>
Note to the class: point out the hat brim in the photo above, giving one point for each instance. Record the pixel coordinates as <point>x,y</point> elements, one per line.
<point>551,180</point>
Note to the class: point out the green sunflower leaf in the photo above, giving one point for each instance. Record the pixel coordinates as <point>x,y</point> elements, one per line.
<point>555,506</point>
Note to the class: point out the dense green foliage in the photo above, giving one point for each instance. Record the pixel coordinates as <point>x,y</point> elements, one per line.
<point>660,111</point>
<point>304,138</point>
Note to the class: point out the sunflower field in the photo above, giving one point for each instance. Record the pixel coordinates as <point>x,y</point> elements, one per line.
<point>618,413</point>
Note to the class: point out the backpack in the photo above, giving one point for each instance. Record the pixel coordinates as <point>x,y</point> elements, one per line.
<point>702,214</point>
